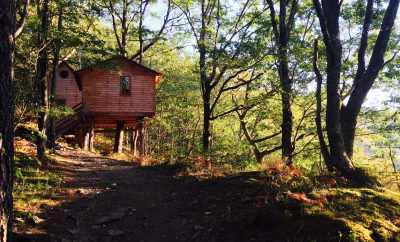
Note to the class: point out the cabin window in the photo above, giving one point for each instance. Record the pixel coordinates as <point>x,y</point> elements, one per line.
<point>125,83</point>
<point>64,74</point>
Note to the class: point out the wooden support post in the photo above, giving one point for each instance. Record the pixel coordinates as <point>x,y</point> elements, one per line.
<point>139,139</point>
<point>91,139</point>
<point>119,137</point>
<point>86,140</point>
<point>121,142</point>
<point>79,138</point>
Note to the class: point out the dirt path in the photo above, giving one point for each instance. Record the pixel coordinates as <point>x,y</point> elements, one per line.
<point>109,200</point>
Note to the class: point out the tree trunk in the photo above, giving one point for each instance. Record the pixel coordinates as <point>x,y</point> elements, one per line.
<point>286,84</point>
<point>282,33</point>
<point>341,121</point>
<point>287,116</point>
<point>328,14</point>
<point>119,137</point>
<point>41,79</point>
<point>318,120</point>
<point>145,140</point>
<point>140,30</point>
<point>205,82</point>
<point>206,124</point>
<point>7,45</point>
<point>124,30</point>
<point>366,78</point>
<point>133,135</point>
<point>349,123</point>
<point>51,134</point>
<point>334,63</point>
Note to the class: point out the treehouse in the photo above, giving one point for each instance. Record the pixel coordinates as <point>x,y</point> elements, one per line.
<point>115,94</point>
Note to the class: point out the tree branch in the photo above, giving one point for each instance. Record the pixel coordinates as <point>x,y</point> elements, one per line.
<point>273,18</point>
<point>364,40</point>
<point>318,123</point>
<point>22,20</point>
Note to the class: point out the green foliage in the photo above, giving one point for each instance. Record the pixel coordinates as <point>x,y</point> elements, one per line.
<point>175,132</point>
<point>59,112</point>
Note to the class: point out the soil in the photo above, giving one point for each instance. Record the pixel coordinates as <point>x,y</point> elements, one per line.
<point>109,200</point>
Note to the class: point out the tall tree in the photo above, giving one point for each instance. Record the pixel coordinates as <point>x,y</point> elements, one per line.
<point>341,119</point>
<point>7,21</point>
<point>228,49</point>
<point>282,27</point>
<point>56,59</point>
<point>8,33</point>
<point>43,12</point>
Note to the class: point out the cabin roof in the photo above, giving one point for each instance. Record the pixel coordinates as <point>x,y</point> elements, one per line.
<point>103,64</point>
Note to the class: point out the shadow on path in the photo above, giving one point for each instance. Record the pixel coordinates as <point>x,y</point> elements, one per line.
<point>108,200</point>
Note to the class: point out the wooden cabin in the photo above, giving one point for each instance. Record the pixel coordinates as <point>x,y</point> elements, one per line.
<point>117,93</point>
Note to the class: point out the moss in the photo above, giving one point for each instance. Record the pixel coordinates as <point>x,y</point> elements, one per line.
<point>383,230</point>
<point>362,178</point>
<point>366,214</point>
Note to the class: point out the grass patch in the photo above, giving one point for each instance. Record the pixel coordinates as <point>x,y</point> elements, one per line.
<point>34,188</point>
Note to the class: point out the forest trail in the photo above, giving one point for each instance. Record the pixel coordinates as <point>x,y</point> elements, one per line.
<point>110,200</point>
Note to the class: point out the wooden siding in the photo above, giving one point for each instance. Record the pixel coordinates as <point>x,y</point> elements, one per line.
<point>67,88</point>
<point>102,94</point>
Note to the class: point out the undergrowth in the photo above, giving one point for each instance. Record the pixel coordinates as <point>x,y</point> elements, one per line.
<point>320,206</point>
<point>34,188</point>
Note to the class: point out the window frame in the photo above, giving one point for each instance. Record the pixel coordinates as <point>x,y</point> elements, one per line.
<point>128,91</point>
<point>64,74</point>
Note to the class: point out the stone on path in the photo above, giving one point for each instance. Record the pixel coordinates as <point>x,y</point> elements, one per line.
<point>114,216</point>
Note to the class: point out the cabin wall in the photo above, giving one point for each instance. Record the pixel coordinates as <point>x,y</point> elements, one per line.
<point>102,93</point>
<point>66,87</point>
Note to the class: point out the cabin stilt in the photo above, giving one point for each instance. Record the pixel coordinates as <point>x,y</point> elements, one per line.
<point>119,137</point>
<point>79,138</point>
<point>91,139</point>
<point>86,140</point>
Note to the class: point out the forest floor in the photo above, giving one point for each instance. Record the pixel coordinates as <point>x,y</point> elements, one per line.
<point>102,199</point>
